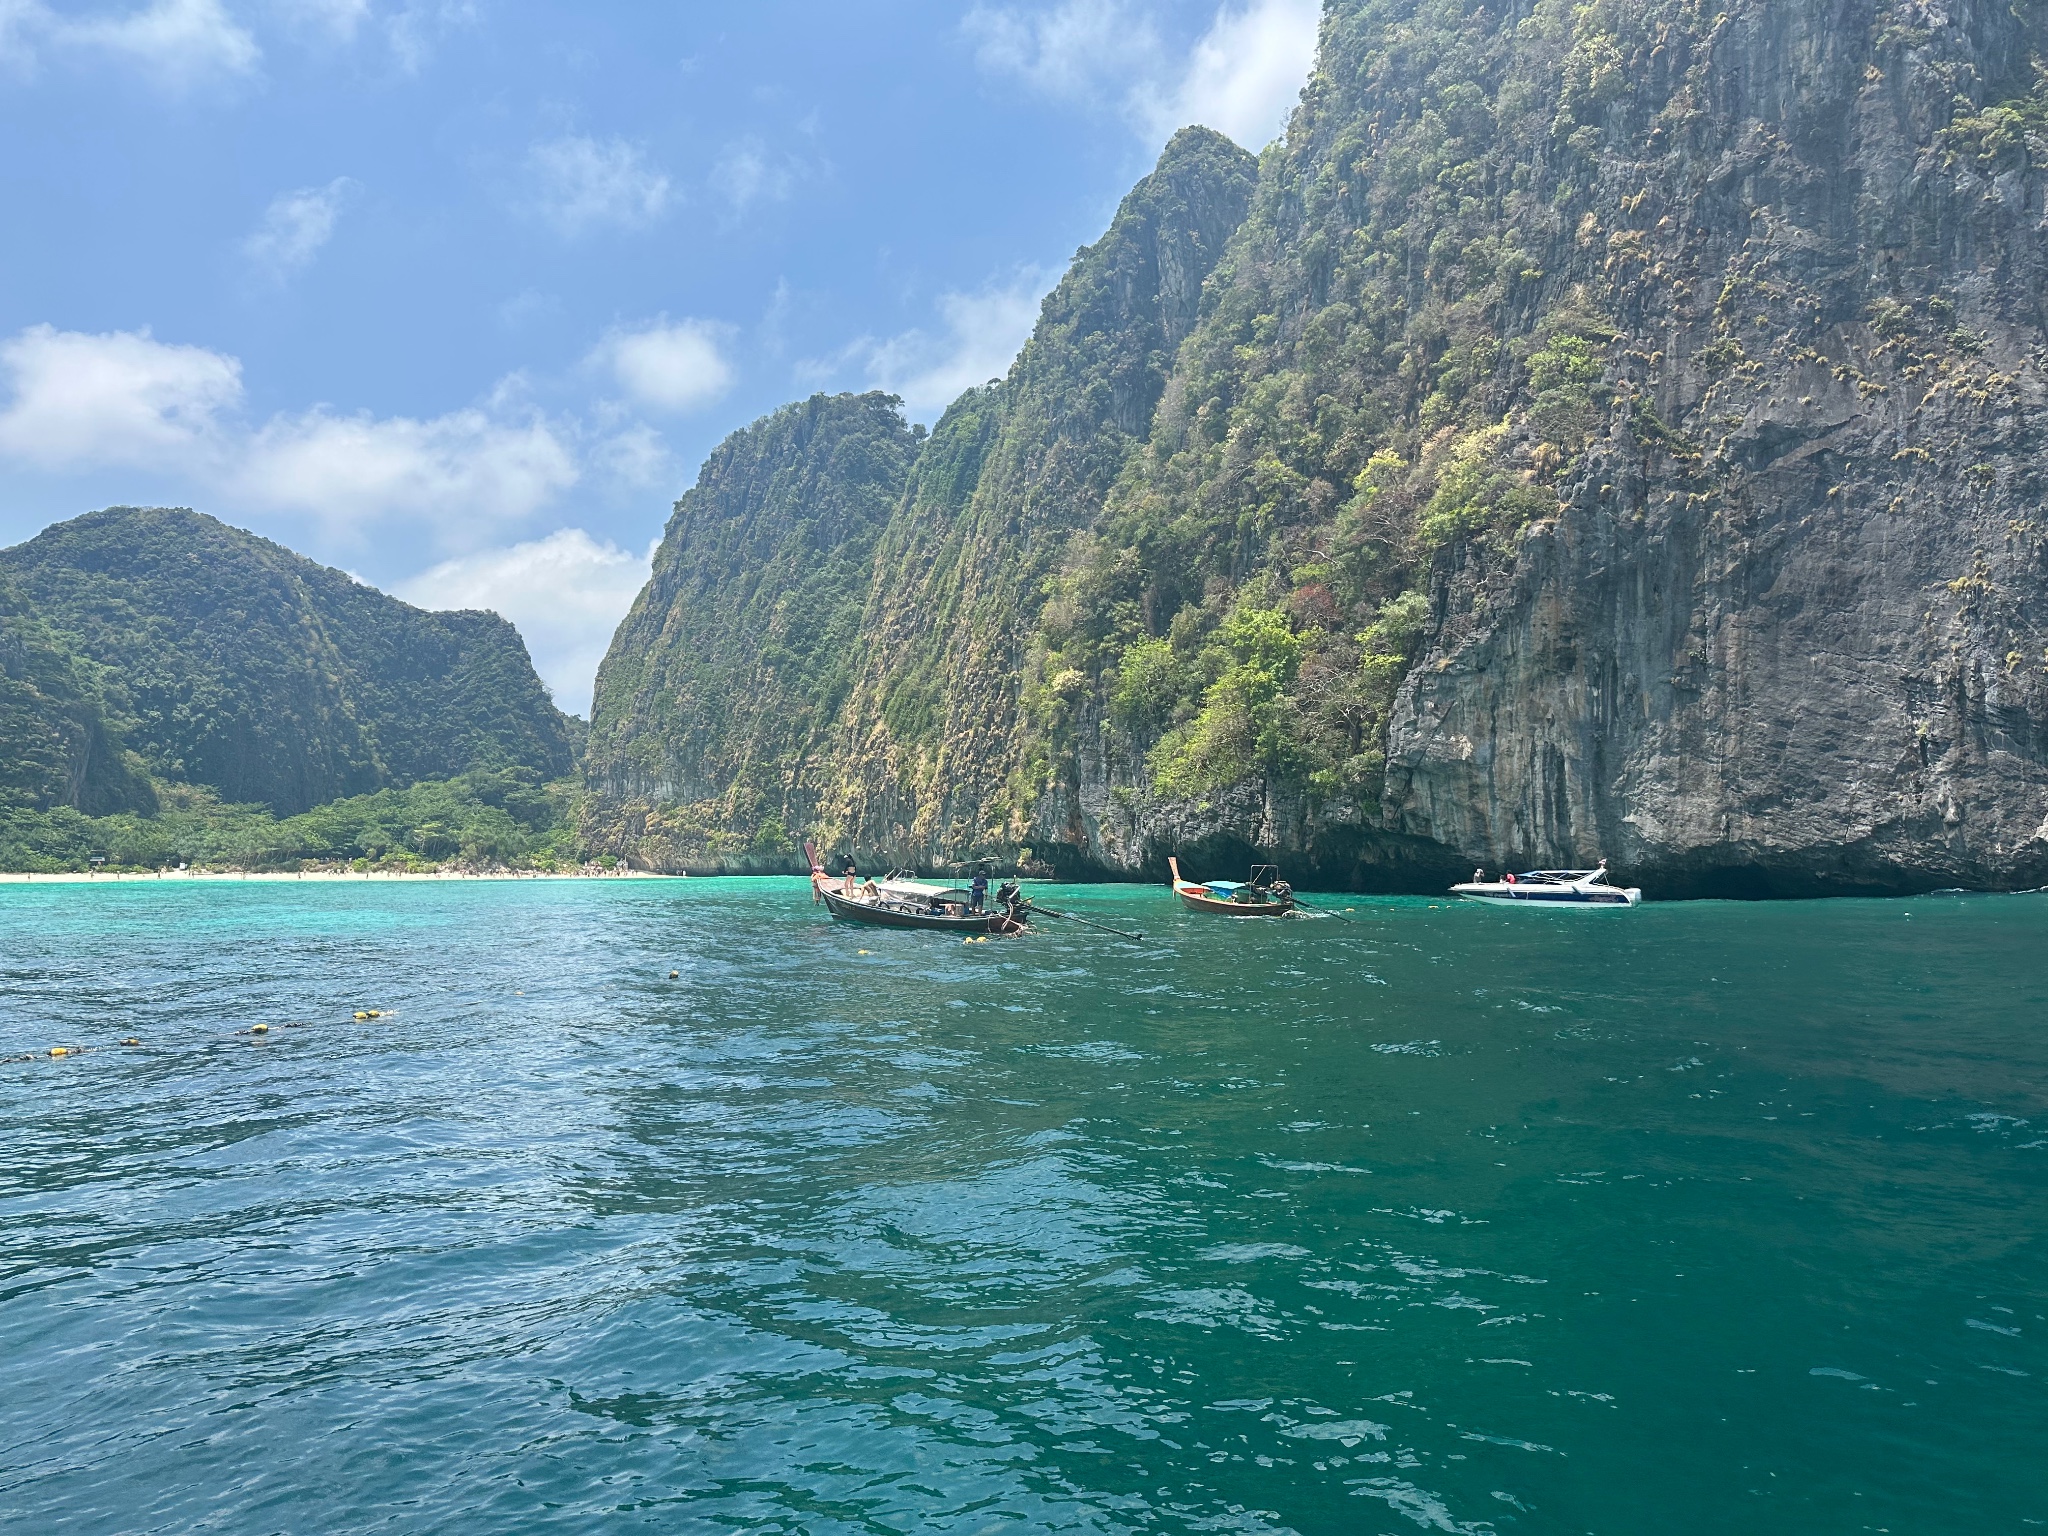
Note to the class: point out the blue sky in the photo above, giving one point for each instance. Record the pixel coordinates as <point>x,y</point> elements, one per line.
<point>457,294</point>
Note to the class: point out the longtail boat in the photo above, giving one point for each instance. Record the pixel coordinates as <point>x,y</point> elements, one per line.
<point>1257,897</point>
<point>900,903</point>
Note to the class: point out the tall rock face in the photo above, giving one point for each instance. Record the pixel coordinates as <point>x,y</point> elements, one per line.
<point>235,664</point>
<point>717,707</point>
<point>1616,433</point>
<point>943,761</point>
<point>1785,632</point>
<point>1615,427</point>
<point>837,633</point>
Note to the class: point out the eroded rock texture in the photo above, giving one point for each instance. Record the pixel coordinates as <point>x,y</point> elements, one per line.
<point>1786,633</point>
<point>1605,428</point>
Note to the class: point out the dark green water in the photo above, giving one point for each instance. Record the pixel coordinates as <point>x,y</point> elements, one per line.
<point>1701,1218</point>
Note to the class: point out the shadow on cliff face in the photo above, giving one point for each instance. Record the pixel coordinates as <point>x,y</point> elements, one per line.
<point>1850,872</point>
<point>1378,863</point>
<point>1339,858</point>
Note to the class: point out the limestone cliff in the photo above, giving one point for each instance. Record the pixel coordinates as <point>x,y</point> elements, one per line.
<point>717,708</point>
<point>1785,634</point>
<point>1612,428</point>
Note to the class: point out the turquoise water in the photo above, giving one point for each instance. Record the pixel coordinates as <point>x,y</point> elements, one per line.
<point>1701,1218</point>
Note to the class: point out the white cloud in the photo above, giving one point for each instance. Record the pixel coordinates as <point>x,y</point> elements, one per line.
<point>1242,77</point>
<point>296,225</point>
<point>749,172</point>
<point>581,183</point>
<point>120,398</point>
<point>635,458</point>
<point>327,20</point>
<point>1069,50</point>
<point>82,402</point>
<point>675,367</point>
<point>462,472</point>
<point>1246,73</point>
<point>180,42</point>
<point>21,22</point>
<point>409,31</point>
<point>566,593</point>
<point>982,335</point>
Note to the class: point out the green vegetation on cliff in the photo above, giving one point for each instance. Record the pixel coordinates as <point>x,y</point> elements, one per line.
<point>924,607</point>
<point>723,686</point>
<point>961,577</point>
<point>228,662</point>
<point>1595,416</point>
<point>173,690</point>
<point>56,748</point>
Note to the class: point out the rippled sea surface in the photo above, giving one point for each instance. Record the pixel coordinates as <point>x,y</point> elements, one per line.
<point>1700,1218</point>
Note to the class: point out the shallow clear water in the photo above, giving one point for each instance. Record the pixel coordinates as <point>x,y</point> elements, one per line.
<point>1699,1218</point>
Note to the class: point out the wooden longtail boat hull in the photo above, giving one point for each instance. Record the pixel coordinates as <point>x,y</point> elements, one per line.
<point>1192,898</point>
<point>1199,898</point>
<point>876,915</point>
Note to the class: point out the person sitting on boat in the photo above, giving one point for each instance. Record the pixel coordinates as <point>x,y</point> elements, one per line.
<point>1479,876</point>
<point>869,891</point>
<point>978,895</point>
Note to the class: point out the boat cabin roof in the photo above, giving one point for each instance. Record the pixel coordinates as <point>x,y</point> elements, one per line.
<point>924,890</point>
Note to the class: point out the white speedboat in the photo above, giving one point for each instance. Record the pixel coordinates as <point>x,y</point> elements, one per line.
<point>1551,888</point>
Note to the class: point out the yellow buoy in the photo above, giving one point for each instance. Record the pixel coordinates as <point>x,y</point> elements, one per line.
<point>259,1029</point>
<point>860,951</point>
<point>60,1050</point>
<point>673,975</point>
<point>131,1040</point>
<point>362,1015</point>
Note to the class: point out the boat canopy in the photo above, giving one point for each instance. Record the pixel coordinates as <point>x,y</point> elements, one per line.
<point>922,890</point>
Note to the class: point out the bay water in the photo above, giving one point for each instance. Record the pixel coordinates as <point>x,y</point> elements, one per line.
<point>1698,1218</point>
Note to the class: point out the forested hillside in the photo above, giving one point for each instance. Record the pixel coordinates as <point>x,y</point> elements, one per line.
<point>56,747</point>
<point>173,691</point>
<point>1611,428</point>
<point>226,661</point>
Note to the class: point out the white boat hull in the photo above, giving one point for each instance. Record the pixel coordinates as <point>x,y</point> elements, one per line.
<point>1549,893</point>
<point>1628,898</point>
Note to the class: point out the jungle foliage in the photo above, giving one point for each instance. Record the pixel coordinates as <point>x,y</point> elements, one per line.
<point>175,690</point>
<point>487,818</point>
<point>225,661</point>
<point>1386,376</point>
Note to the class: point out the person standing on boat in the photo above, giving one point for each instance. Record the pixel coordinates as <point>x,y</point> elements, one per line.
<point>978,892</point>
<point>851,873</point>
